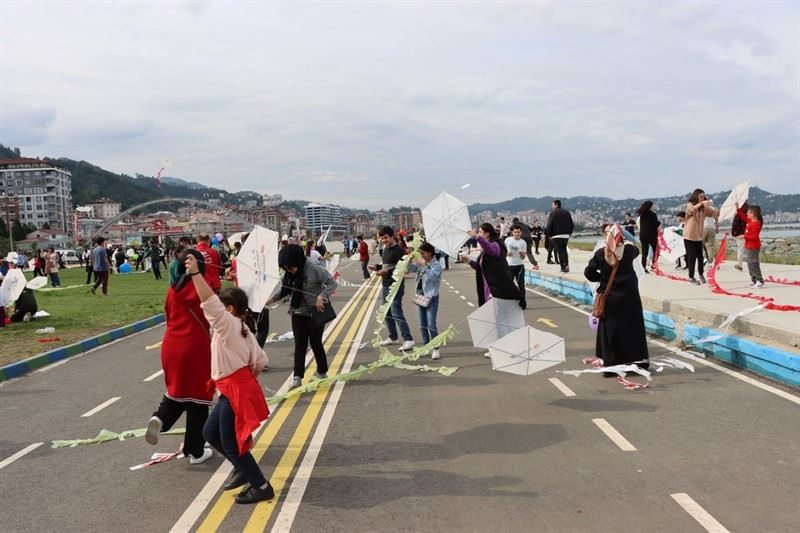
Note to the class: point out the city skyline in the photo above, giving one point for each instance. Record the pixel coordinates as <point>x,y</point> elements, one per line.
<point>367,106</point>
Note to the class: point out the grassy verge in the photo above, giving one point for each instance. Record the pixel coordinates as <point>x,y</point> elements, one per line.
<point>78,314</point>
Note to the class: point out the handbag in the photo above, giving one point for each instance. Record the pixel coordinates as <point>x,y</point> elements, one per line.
<point>599,308</point>
<point>320,318</point>
<point>422,300</point>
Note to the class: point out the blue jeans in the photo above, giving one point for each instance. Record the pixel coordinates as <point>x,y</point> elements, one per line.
<point>427,320</point>
<point>220,432</point>
<point>395,314</point>
<point>54,281</point>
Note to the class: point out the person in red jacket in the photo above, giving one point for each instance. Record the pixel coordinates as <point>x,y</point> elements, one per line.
<point>211,257</point>
<point>752,243</point>
<point>186,360</point>
<point>363,255</point>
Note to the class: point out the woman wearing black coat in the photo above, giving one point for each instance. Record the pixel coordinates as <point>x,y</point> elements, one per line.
<point>621,337</point>
<point>648,231</point>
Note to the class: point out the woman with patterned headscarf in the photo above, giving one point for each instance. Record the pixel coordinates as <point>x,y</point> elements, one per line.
<point>621,337</point>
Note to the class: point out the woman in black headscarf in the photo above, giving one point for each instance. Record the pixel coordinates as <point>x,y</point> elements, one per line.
<point>310,287</point>
<point>492,276</point>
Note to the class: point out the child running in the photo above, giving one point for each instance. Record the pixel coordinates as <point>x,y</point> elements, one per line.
<point>236,360</point>
<point>752,243</point>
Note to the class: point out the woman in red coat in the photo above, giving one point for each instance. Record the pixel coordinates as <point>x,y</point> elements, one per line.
<point>186,360</point>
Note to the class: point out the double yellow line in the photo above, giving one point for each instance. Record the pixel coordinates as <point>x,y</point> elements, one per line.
<point>263,510</point>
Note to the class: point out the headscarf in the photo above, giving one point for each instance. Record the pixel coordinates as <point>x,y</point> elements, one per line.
<point>614,241</point>
<point>292,255</point>
<point>183,278</point>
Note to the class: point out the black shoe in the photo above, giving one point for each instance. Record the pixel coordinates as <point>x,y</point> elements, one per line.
<point>523,305</point>
<point>236,480</point>
<point>254,494</point>
<point>550,262</point>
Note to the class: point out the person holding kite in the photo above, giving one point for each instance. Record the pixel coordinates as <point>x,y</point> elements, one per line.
<point>620,333</point>
<point>236,360</point>
<point>697,209</point>
<point>492,276</point>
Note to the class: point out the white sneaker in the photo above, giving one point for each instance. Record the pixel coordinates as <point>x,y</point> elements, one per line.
<point>296,382</point>
<point>487,355</point>
<point>407,345</point>
<point>760,285</point>
<point>436,355</point>
<point>208,453</point>
<point>153,429</point>
<point>387,342</point>
<point>752,285</point>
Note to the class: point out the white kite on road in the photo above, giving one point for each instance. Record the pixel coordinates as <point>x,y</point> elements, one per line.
<point>494,320</point>
<point>526,351</point>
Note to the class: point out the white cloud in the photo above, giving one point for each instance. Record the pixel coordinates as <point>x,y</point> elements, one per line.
<point>402,99</point>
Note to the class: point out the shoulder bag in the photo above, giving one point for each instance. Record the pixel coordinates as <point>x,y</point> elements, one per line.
<point>599,308</point>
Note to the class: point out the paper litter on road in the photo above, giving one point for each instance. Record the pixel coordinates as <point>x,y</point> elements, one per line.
<point>158,458</point>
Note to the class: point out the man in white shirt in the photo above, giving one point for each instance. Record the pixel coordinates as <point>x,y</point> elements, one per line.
<point>516,250</point>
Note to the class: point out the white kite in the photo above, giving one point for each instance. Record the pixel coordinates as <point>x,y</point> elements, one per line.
<point>324,236</point>
<point>12,286</point>
<point>257,266</point>
<point>526,351</point>
<point>446,222</point>
<point>739,196</point>
<point>494,320</point>
<point>672,247</point>
<point>333,264</point>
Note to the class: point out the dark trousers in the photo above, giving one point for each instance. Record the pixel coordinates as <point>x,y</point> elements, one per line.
<point>694,256</point>
<point>552,251</point>
<point>262,326</point>
<point>518,273</point>
<point>89,276</point>
<point>529,253</point>
<point>306,332</point>
<point>157,270</point>
<point>364,268</point>
<point>647,245</point>
<point>169,411</point>
<point>101,277</point>
<point>220,432</point>
<point>562,257</point>
<point>536,244</point>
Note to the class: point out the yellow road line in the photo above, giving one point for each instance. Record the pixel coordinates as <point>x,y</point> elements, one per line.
<point>226,500</point>
<point>261,514</point>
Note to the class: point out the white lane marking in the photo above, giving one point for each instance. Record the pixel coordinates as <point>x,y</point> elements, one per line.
<point>25,451</point>
<point>151,377</point>
<point>615,436</point>
<point>207,494</point>
<point>463,297</point>
<point>100,407</point>
<point>455,291</point>
<point>560,386</point>
<point>734,374</point>
<point>741,377</point>
<point>470,304</point>
<point>283,523</point>
<point>698,513</point>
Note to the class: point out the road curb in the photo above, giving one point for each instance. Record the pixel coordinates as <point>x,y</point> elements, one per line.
<point>20,368</point>
<point>764,360</point>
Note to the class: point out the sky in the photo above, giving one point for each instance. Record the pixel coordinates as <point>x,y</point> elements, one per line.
<point>370,105</point>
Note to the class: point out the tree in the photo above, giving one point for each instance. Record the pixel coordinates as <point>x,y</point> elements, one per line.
<point>3,228</point>
<point>18,231</point>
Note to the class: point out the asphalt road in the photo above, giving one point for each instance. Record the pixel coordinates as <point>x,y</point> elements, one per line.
<point>412,451</point>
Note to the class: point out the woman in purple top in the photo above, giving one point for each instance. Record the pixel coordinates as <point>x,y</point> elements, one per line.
<point>492,276</point>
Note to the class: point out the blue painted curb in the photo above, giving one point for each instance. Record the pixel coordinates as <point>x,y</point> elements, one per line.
<point>20,368</point>
<point>764,360</point>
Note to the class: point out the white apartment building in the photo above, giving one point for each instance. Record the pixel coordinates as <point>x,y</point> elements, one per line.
<point>319,217</point>
<point>272,200</point>
<point>105,208</point>
<point>36,192</point>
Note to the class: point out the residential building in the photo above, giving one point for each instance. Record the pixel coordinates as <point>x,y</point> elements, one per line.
<point>105,208</point>
<point>319,217</point>
<point>37,191</point>
<point>407,219</point>
<point>272,200</point>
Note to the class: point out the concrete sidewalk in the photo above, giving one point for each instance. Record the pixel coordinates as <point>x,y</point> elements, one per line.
<point>687,303</point>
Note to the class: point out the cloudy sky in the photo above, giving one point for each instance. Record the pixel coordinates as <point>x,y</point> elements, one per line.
<point>372,105</point>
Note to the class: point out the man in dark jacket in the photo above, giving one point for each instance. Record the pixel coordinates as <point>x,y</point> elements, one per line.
<point>559,229</point>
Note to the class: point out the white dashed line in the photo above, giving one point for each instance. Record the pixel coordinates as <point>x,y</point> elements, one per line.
<point>470,304</point>
<point>100,407</point>
<point>153,376</point>
<point>698,513</point>
<point>614,435</point>
<point>560,386</point>
<point>463,297</point>
<point>25,451</point>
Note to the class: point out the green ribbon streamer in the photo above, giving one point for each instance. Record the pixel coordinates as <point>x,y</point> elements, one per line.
<point>106,435</point>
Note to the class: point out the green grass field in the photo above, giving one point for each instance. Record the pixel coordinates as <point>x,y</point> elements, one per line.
<point>78,314</point>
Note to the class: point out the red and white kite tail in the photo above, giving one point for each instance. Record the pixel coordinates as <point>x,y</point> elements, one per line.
<point>158,177</point>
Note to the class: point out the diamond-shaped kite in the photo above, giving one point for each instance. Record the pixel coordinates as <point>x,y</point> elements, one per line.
<point>526,351</point>
<point>446,222</point>
<point>257,266</point>
<point>494,320</point>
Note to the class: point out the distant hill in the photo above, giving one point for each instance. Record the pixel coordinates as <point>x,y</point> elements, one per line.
<point>769,203</point>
